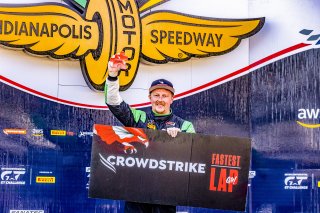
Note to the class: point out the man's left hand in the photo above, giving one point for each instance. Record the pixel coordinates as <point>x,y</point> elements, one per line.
<point>173,131</point>
<point>117,62</point>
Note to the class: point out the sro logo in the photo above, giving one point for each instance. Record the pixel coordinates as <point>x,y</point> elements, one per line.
<point>37,132</point>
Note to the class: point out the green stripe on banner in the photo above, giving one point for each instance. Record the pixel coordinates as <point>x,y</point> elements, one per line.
<point>82,3</point>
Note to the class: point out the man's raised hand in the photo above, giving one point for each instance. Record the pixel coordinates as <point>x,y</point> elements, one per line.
<point>117,62</point>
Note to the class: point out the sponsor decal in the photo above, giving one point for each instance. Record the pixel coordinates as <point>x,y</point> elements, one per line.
<point>170,124</point>
<point>69,133</point>
<point>45,179</point>
<point>12,176</point>
<point>151,125</point>
<point>224,172</point>
<point>84,134</point>
<point>37,132</point>
<point>309,118</point>
<point>15,131</point>
<point>252,174</point>
<point>109,27</point>
<point>113,161</point>
<point>58,132</point>
<point>26,211</point>
<point>45,172</point>
<point>295,181</point>
<point>88,176</point>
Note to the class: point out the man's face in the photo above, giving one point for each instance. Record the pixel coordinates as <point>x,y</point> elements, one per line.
<point>161,99</point>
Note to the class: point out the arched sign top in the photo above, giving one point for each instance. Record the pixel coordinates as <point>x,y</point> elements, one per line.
<point>108,27</point>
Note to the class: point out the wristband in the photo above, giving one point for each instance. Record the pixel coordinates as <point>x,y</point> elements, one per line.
<point>110,78</point>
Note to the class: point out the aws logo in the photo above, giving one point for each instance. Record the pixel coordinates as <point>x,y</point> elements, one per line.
<point>107,27</point>
<point>308,114</point>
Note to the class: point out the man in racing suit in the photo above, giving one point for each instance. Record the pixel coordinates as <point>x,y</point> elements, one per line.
<point>160,117</point>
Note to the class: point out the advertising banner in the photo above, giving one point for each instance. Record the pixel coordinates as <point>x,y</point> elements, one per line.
<point>152,167</point>
<point>240,69</point>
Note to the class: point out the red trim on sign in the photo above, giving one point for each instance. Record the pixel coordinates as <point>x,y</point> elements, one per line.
<point>210,84</point>
<point>49,96</point>
<point>261,61</point>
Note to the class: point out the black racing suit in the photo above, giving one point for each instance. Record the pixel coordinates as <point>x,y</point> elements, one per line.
<point>149,120</point>
<point>137,118</point>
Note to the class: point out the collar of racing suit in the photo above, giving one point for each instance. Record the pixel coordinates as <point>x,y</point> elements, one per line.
<point>160,117</point>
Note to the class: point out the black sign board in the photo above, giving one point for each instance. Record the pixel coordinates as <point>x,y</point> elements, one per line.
<point>150,166</point>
